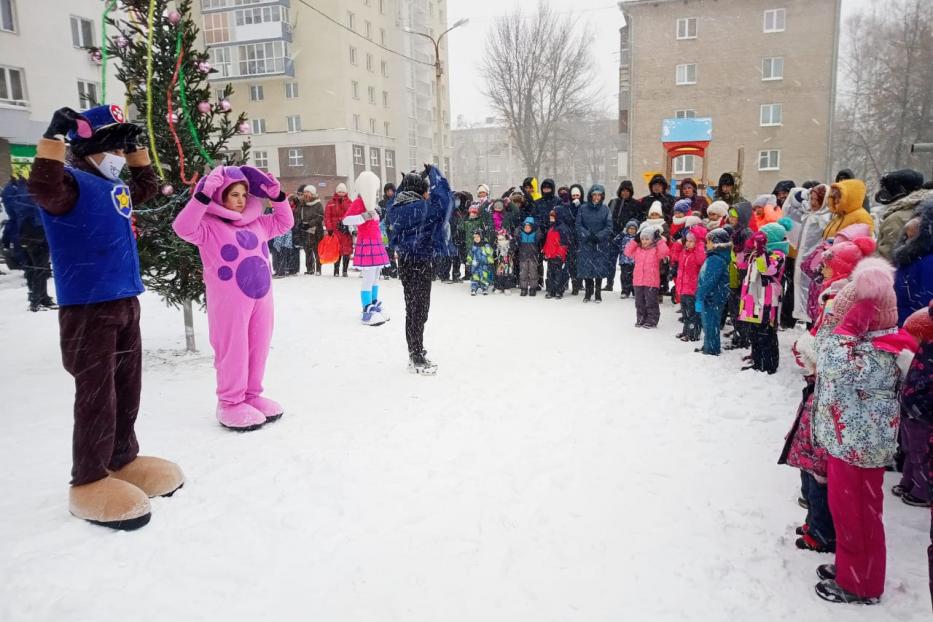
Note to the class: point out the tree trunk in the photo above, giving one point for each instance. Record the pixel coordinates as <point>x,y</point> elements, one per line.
<point>189,327</point>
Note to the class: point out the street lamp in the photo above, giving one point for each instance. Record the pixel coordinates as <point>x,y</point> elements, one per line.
<point>438,72</point>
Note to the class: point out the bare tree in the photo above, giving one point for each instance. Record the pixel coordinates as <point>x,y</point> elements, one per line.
<point>537,71</point>
<point>887,101</point>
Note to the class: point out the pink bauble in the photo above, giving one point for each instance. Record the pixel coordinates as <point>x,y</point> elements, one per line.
<point>171,117</point>
<point>204,66</point>
<point>204,107</point>
<point>96,56</point>
<point>174,17</point>
<point>121,42</point>
<point>167,190</point>
<point>225,105</point>
<point>244,128</point>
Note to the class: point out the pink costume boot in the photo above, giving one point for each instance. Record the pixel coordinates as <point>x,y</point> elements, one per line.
<point>239,417</point>
<point>270,409</point>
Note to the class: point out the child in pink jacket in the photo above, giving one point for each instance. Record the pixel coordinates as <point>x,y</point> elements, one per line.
<point>225,221</point>
<point>648,252</point>
<point>690,258</point>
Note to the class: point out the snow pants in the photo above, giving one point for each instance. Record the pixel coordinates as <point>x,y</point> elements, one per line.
<point>38,271</point>
<point>765,350</point>
<point>102,349</point>
<point>528,277</point>
<point>240,332</point>
<point>626,274</point>
<point>915,436</point>
<point>556,277</point>
<point>415,275</point>
<point>710,317</point>
<point>819,518</point>
<point>647,306</point>
<point>856,500</point>
<point>312,257</point>
<point>691,317</point>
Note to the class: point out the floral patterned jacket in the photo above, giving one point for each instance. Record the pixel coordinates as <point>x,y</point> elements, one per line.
<point>856,416</point>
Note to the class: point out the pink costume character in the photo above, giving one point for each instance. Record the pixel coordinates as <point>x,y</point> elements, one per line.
<point>370,253</point>
<point>225,221</point>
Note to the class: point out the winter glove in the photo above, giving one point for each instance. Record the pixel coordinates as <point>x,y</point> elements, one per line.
<point>760,240</point>
<point>698,306</point>
<point>213,181</point>
<point>657,235</point>
<point>134,138</point>
<point>65,120</point>
<point>271,187</point>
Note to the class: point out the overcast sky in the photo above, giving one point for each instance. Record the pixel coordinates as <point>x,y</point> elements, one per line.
<point>466,44</point>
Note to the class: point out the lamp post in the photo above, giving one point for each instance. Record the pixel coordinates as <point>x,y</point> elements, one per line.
<point>438,72</point>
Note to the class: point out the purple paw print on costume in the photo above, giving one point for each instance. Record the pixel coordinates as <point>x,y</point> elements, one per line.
<point>252,274</point>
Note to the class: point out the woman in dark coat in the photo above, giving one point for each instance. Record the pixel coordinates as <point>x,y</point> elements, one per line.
<point>913,258</point>
<point>594,243</point>
<point>568,216</point>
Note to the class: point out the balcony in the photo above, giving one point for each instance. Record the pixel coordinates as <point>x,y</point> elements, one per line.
<point>212,6</point>
<point>252,68</point>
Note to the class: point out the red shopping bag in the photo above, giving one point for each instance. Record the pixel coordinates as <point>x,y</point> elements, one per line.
<point>329,249</point>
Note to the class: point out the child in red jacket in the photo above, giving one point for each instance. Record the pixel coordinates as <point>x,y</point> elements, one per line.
<point>690,260</point>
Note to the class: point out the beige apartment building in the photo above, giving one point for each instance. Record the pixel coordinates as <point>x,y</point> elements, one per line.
<point>763,70</point>
<point>332,87</point>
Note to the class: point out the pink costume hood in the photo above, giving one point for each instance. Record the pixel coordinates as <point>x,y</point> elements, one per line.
<point>253,178</point>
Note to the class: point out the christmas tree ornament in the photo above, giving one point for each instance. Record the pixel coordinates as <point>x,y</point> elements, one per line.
<point>168,190</point>
<point>174,17</point>
<point>244,128</point>
<point>225,105</point>
<point>97,56</point>
<point>204,107</point>
<point>171,117</point>
<point>121,42</point>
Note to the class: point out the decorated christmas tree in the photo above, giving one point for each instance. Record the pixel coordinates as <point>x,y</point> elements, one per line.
<point>166,83</point>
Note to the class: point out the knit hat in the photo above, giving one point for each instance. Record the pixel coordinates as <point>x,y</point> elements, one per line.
<point>719,238</point>
<point>920,324</point>
<point>898,184</point>
<point>482,188</point>
<point>655,209</point>
<point>776,232</point>
<point>718,208</point>
<point>698,233</point>
<point>764,199</point>
<point>726,179</point>
<point>842,257</point>
<point>473,208</point>
<point>310,188</point>
<point>647,233</point>
<point>868,302</point>
<point>529,221</point>
<point>341,187</point>
<point>631,223</point>
<point>683,206</point>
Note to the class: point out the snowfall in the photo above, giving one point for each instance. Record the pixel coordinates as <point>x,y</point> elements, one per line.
<point>562,465</point>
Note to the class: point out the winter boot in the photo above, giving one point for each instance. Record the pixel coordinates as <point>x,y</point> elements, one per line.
<point>829,590</point>
<point>371,316</point>
<point>533,292</point>
<point>913,501</point>
<point>110,502</point>
<point>239,417</point>
<point>154,476</point>
<point>809,543</point>
<point>524,291</point>
<point>270,409</point>
<point>826,571</point>
<point>419,364</point>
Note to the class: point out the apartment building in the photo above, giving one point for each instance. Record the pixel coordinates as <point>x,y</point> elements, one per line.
<point>32,86</point>
<point>764,71</point>
<point>331,87</point>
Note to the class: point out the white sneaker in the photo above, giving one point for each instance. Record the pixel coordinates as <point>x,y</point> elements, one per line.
<point>371,317</point>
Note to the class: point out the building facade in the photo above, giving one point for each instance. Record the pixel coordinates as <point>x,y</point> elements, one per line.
<point>32,88</point>
<point>331,89</point>
<point>763,70</point>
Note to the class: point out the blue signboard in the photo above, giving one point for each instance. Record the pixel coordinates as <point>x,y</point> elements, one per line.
<point>687,130</point>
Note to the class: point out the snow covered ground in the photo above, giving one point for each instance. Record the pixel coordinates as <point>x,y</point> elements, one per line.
<point>563,465</point>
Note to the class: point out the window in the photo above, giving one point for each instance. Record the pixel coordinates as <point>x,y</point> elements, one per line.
<point>771,114</point>
<point>382,36</point>
<point>213,4</point>
<point>291,90</point>
<point>220,60</point>
<point>255,93</point>
<point>356,122</point>
<point>352,55</point>
<point>772,68</point>
<point>219,94</point>
<point>412,136</point>
<point>12,88</point>
<point>6,16</point>
<point>385,125</point>
<point>385,99</point>
<point>412,108</point>
<point>351,20</point>
<point>368,30</point>
<point>687,74</point>
<point>260,15</point>
<point>296,157</point>
<point>294,123</point>
<point>774,20</point>
<point>369,62</point>
<point>355,89</point>
<point>390,159</point>
<point>373,157</point>
<point>372,95</point>
<point>684,165</point>
<point>687,28</point>
<point>258,126</point>
<point>769,160</point>
<point>412,158</point>
<point>82,32</point>
<point>262,58</point>
<point>87,94</point>
<point>685,114</point>
<point>385,69</point>
<point>358,155</point>
<point>216,28</point>
<point>382,6</point>
<point>372,126</point>
<point>261,159</point>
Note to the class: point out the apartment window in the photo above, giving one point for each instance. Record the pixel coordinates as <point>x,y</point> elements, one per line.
<point>351,20</point>
<point>382,36</point>
<point>356,122</point>
<point>382,6</point>
<point>372,95</point>
<point>6,16</point>
<point>772,68</point>
<point>687,28</point>
<point>385,69</point>
<point>294,123</point>
<point>772,114</point>
<point>355,89</point>
<point>219,94</point>
<point>385,125</point>
<point>216,28</point>
<point>372,126</point>
<point>374,157</point>
<point>412,136</point>
<point>358,155</point>
<point>412,108</point>
<point>769,160</point>
<point>258,126</point>
<point>262,58</point>
<point>385,99</point>
<point>686,74</point>
<point>291,90</point>
<point>368,30</point>
<point>220,60</point>
<point>261,159</point>
<point>82,32</point>
<point>685,114</point>
<point>774,20</point>
<point>87,94</point>
<point>260,15</point>
<point>296,157</point>
<point>369,62</point>
<point>352,55</point>
<point>684,165</point>
<point>12,88</point>
<point>212,4</point>
<point>412,158</point>
<point>256,93</point>
<point>390,159</point>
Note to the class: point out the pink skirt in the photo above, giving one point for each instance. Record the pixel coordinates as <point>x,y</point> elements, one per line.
<point>370,254</point>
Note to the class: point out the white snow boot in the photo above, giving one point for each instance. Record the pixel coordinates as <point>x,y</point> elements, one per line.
<point>372,317</point>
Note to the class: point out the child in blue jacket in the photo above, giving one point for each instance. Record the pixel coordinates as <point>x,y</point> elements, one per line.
<point>626,263</point>
<point>713,288</point>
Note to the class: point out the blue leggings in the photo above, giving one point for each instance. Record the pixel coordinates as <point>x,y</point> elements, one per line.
<point>711,316</point>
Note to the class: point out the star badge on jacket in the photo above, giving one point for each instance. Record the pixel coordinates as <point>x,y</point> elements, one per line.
<point>122,201</point>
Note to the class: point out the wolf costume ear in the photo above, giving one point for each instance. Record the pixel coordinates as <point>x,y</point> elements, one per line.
<point>367,187</point>
<point>255,179</point>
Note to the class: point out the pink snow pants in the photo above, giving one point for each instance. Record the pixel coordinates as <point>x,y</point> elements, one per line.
<point>856,501</point>
<point>240,334</point>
